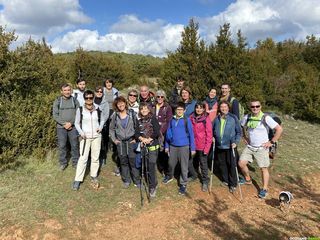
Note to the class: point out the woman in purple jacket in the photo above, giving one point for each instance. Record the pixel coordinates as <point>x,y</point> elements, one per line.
<point>163,113</point>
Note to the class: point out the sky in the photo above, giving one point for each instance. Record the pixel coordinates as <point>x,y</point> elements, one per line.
<point>153,26</point>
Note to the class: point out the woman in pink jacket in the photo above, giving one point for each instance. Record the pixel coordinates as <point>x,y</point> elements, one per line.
<point>202,128</point>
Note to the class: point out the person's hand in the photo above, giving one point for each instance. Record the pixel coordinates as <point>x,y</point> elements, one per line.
<point>267,145</point>
<point>213,140</point>
<point>68,125</point>
<point>166,151</point>
<point>245,140</point>
<point>233,145</point>
<point>98,130</point>
<point>193,153</point>
<point>117,142</point>
<point>133,141</point>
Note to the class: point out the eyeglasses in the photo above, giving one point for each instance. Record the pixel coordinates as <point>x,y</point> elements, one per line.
<point>99,91</point>
<point>160,96</point>
<point>132,95</point>
<point>256,106</point>
<point>88,98</point>
<point>179,109</point>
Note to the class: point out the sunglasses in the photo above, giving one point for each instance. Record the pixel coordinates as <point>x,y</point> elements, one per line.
<point>256,106</point>
<point>99,91</point>
<point>88,98</point>
<point>132,95</point>
<point>160,96</point>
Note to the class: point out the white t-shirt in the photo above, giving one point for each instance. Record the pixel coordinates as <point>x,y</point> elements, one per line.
<point>79,96</point>
<point>259,135</point>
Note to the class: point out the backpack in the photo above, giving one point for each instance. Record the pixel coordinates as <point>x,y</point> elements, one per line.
<point>81,116</point>
<point>241,108</point>
<point>271,132</point>
<point>60,102</point>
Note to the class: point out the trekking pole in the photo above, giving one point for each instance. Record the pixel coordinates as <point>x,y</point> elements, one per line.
<point>145,182</point>
<point>84,146</point>
<point>212,162</point>
<point>141,180</point>
<point>237,174</point>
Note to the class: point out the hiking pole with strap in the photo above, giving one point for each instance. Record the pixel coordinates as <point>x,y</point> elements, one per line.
<point>141,180</point>
<point>145,169</point>
<point>212,162</point>
<point>237,174</point>
<point>84,146</point>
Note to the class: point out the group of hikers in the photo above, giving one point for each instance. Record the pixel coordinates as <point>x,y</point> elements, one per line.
<point>150,132</point>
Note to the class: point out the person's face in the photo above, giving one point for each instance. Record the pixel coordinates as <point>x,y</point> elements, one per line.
<point>199,110</point>
<point>66,92</point>
<point>98,93</point>
<point>212,93</point>
<point>224,108</point>
<point>88,99</point>
<point>179,111</point>
<point>144,111</point>
<point>255,107</point>
<point>180,83</point>
<point>108,84</point>
<point>160,99</point>
<point>132,97</point>
<point>225,90</point>
<point>144,92</point>
<point>121,106</point>
<point>81,85</point>
<point>185,95</point>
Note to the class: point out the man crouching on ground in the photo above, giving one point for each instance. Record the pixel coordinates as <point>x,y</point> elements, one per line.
<point>257,124</point>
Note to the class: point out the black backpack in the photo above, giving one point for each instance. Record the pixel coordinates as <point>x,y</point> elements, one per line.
<point>81,116</point>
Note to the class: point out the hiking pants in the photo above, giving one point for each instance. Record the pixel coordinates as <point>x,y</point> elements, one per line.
<point>149,159</point>
<point>179,154</point>
<point>127,158</point>
<point>227,166</point>
<point>63,136</point>
<point>87,145</point>
<point>200,159</point>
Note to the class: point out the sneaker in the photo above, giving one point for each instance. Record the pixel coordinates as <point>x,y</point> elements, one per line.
<point>263,193</point>
<point>126,184</point>
<point>153,192</point>
<point>243,181</point>
<point>116,172</point>
<point>192,179</point>
<point>232,189</point>
<point>95,182</point>
<point>166,179</point>
<point>224,184</point>
<point>204,187</point>
<point>76,185</point>
<point>138,185</point>
<point>182,189</point>
<point>63,167</point>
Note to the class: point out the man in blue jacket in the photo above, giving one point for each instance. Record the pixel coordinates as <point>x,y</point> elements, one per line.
<point>178,144</point>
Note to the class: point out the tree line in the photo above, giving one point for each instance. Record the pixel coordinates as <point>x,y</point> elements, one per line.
<point>283,75</point>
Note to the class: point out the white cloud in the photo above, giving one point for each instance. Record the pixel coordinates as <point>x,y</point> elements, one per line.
<point>279,19</point>
<point>41,17</point>
<point>129,35</point>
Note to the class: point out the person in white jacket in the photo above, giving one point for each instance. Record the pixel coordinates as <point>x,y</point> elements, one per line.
<point>89,123</point>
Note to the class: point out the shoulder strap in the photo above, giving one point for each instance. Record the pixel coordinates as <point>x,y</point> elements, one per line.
<point>81,117</point>
<point>99,115</point>
<point>76,95</point>
<point>185,119</point>
<point>60,99</point>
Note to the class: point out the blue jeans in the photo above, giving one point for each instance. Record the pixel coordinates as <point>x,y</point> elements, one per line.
<point>63,137</point>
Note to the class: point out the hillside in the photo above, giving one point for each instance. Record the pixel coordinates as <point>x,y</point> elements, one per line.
<point>37,202</point>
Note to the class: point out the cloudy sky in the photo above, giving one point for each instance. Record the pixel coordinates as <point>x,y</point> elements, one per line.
<point>153,26</point>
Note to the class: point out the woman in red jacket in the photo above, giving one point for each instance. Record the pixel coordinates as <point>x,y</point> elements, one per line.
<point>202,128</point>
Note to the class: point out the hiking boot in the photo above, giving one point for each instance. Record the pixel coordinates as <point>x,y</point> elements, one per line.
<point>243,181</point>
<point>153,192</point>
<point>166,179</point>
<point>192,179</point>
<point>232,189</point>
<point>138,185</point>
<point>204,187</point>
<point>76,185</point>
<point>224,184</point>
<point>126,185</point>
<point>63,167</point>
<point>182,189</point>
<point>116,172</point>
<point>95,182</point>
<point>263,193</point>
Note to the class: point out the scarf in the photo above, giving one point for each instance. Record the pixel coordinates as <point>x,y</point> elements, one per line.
<point>211,101</point>
<point>254,121</point>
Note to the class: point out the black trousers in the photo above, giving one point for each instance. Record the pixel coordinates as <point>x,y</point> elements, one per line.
<point>227,165</point>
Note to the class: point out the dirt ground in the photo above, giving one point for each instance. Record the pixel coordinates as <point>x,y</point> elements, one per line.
<point>199,215</point>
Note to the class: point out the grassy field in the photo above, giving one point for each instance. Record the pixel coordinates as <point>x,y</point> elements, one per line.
<point>37,201</point>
